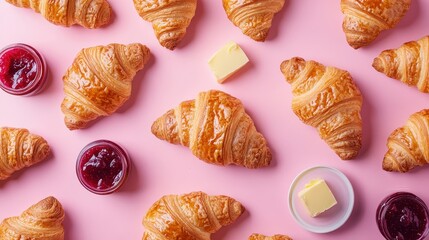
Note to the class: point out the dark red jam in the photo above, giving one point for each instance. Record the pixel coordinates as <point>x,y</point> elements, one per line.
<point>403,216</point>
<point>102,166</point>
<point>22,70</point>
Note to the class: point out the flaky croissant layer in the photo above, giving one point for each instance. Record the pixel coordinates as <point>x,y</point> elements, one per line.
<point>408,146</point>
<point>99,81</point>
<point>87,13</point>
<point>327,99</point>
<point>20,149</point>
<point>256,236</point>
<point>408,63</point>
<point>217,129</point>
<point>194,215</point>
<point>41,221</point>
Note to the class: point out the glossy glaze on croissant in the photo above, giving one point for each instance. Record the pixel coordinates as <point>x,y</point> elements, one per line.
<point>194,215</point>
<point>409,63</point>
<point>42,221</point>
<point>327,99</point>
<point>87,13</point>
<point>365,19</point>
<point>253,17</point>
<point>20,149</point>
<point>217,129</point>
<point>408,146</point>
<point>256,236</point>
<point>169,18</point>
<point>99,81</point>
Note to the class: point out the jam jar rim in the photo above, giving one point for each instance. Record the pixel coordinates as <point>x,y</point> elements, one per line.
<point>387,201</point>
<point>125,160</point>
<point>39,80</point>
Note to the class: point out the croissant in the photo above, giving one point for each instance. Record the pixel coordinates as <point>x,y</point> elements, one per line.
<point>99,81</point>
<point>409,63</point>
<point>408,146</point>
<point>169,19</point>
<point>217,129</point>
<point>256,236</point>
<point>253,17</point>
<point>42,221</point>
<point>194,215</point>
<point>87,13</point>
<point>365,19</point>
<point>327,99</point>
<point>19,149</point>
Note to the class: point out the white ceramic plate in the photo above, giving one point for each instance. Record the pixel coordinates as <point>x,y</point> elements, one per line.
<point>333,218</point>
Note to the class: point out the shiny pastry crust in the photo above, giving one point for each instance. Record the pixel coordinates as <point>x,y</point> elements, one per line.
<point>217,129</point>
<point>408,146</point>
<point>327,99</point>
<point>87,13</point>
<point>20,149</point>
<point>365,19</point>
<point>99,81</point>
<point>256,236</point>
<point>189,216</point>
<point>42,221</point>
<point>408,63</point>
<point>169,18</point>
<point>253,17</point>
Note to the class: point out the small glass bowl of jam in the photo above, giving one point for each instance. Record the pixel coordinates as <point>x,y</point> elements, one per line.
<point>23,70</point>
<point>403,216</point>
<point>102,166</point>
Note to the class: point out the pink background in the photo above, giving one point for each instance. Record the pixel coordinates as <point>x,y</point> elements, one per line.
<point>307,28</point>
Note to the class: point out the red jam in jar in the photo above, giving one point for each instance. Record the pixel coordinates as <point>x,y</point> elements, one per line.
<point>403,216</point>
<point>22,70</point>
<point>102,166</point>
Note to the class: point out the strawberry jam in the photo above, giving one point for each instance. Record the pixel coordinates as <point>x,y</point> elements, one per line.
<point>22,70</point>
<point>102,166</point>
<point>403,216</point>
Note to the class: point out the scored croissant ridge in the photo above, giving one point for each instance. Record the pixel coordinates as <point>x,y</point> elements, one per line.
<point>217,129</point>
<point>327,99</point>
<point>42,221</point>
<point>365,19</point>
<point>408,146</point>
<point>408,63</point>
<point>169,18</point>
<point>194,215</point>
<point>20,149</point>
<point>87,13</point>
<point>99,81</point>
<point>253,17</point>
<point>256,236</point>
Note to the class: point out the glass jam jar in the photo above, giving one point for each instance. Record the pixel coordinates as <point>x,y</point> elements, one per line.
<point>403,215</point>
<point>23,70</point>
<point>102,166</point>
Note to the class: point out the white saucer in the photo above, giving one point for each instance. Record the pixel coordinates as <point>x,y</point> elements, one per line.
<point>333,218</point>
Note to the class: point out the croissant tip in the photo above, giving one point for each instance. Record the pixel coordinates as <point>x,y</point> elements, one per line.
<point>378,65</point>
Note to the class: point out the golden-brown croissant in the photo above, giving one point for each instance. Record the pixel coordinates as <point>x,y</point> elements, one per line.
<point>99,81</point>
<point>169,18</point>
<point>217,129</point>
<point>327,99</point>
<point>19,149</point>
<point>87,13</point>
<point>256,236</point>
<point>365,19</point>
<point>194,215</point>
<point>409,63</point>
<point>408,146</point>
<point>42,221</point>
<point>253,17</point>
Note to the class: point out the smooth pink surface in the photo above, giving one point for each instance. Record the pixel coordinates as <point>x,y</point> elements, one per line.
<point>307,28</point>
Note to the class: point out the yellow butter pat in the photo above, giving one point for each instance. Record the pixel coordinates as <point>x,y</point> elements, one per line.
<point>317,197</point>
<point>227,60</point>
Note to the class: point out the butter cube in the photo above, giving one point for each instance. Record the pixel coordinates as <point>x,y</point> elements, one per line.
<point>317,197</point>
<point>227,60</point>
